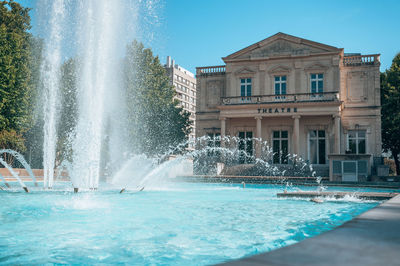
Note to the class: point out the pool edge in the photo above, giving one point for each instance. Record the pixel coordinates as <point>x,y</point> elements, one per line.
<point>372,238</point>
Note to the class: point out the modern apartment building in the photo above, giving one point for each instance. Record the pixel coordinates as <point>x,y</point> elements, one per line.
<point>302,97</point>
<point>185,85</point>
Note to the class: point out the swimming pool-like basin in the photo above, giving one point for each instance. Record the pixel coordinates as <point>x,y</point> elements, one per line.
<point>180,224</point>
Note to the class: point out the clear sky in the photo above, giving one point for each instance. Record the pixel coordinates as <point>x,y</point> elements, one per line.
<point>199,33</point>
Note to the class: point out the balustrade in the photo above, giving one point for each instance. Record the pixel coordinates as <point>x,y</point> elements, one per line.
<point>357,60</point>
<point>283,98</point>
<point>210,70</point>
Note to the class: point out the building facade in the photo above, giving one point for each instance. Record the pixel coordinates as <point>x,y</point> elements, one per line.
<point>300,96</point>
<point>184,83</point>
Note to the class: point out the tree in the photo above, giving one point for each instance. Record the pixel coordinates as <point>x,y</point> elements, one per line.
<point>34,136</point>
<point>11,140</point>
<point>390,98</point>
<point>155,121</point>
<point>15,90</point>
<point>68,109</point>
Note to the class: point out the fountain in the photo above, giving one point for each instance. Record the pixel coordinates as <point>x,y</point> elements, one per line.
<point>14,174</point>
<point>4,180</point>
<point>50,75</point>
<point>98,44</point>
<point>168,222</point>
<point>22,160</point>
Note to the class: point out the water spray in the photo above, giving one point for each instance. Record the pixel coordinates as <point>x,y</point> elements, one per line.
<point>22,160</point>
<point>317,200</point>
<point>4,180</point>
<point>15,175</point>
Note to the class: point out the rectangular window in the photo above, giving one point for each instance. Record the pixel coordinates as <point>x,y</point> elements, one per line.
<point>356,141</point>
<point>337,167</point>
<point>317,147</point>
<point>280,86</point>
<point>280,145</point>
<point>245,87</point>
<point>317,83</point>
<point>214,140</point>
<point>245,147</point>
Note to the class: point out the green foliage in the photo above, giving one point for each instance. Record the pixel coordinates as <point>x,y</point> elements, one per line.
<point>34,135</point>
<point>390,98</point>
<point>69,109</point>
<point>12,140</point>
<point>15,89</point>
<point>155,121</point>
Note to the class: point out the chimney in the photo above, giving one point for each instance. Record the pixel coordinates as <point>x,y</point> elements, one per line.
<point>168,61</point>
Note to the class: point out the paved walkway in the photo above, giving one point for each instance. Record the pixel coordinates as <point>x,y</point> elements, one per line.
<point>373,238</point>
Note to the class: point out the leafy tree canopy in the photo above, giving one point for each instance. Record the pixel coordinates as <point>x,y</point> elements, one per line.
<point>155,121</point>
<point>390,98</point>
<point>68,109</point>
<point>15,89</point>
<point>11,140</point>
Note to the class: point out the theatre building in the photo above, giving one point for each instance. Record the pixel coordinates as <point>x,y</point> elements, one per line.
<point>302,97</point>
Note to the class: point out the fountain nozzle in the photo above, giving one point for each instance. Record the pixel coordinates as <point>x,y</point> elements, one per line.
<point>76,190</point>
<point>26,189</point>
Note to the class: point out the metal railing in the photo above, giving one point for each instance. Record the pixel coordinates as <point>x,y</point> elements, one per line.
<point>283,98</point>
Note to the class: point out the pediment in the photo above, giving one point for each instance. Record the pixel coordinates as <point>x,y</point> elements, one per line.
<point>280,45</point>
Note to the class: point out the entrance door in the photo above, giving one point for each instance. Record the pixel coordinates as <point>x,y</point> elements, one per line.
<point>349,171</point>
<point>245,147</point>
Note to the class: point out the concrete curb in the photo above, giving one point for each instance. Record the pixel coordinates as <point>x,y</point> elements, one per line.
<point>372,238</point>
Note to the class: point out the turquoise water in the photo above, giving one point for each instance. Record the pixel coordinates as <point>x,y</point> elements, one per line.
<point>182,224</point>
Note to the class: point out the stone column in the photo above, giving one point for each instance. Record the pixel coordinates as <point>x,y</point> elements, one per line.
<point>223,129</point>
<point>336,148</point>
<point>296,134</point>
<point>258,136</point>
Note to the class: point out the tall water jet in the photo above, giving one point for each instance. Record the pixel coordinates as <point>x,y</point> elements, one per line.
<point>99,50</point>
<point>50,74</point>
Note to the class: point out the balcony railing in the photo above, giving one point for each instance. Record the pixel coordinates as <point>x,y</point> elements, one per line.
<point>358,60</point>
<point>212,70</point>
<point>287,98</point>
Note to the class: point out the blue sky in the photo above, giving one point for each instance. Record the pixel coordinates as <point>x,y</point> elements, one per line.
<point>199,33</point>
